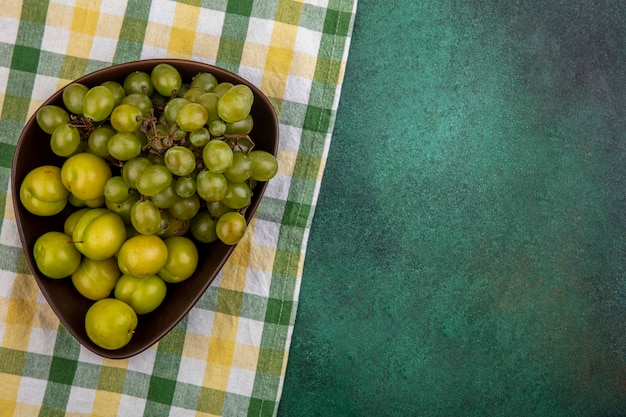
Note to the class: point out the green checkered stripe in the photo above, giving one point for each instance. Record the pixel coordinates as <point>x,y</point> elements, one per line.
<point>227,357</point>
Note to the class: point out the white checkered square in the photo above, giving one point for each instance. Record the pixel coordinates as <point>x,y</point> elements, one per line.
<point>191,371</point>
<point>7,278</point>
<point>81,400</point>
<point>144,362</point>
<point>31,390</point>
<point>278,187</point>
<point>55,40</point>
<point>298,89</point>
<point>210,22</point>
<point>318,3</point>
<point>308,41</point>
<point>240,381</point>
<point>266,233</point>
<point>42,341</point>
<point>162,11</point>
<point>114,8</point>
<point>258,282</point>
<point>103,49</point>
<point>87,356</point>
<point>201,321</point>
<point>260,31</point>
<point>44,87</point>
<point>252,74</point>
<point>289,137</point>
<point>149,51</point>
<point>131,406</point>
<point>9,235</point>
<point>249,332</point>
<point>9,30</point>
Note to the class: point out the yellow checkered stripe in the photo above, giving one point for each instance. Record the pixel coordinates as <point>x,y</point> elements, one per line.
<point>228,355</point>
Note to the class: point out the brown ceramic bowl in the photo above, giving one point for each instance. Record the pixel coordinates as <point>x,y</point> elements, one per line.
<point>66,302</point>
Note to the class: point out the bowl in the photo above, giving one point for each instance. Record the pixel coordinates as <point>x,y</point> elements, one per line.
<point>66,302</point>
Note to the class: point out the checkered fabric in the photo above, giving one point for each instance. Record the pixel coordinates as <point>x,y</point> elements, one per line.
<point>228,355</point>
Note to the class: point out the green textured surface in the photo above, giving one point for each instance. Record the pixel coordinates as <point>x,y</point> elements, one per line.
<point>467,254</point>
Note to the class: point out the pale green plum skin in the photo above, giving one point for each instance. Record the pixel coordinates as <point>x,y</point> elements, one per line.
<point>110,323</point>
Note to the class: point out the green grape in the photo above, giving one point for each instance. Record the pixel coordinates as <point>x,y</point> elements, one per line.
<point>166,79</point>
<point>158,100</point>
<point>153,180</point>
<point>164,224</point>
<point>166,198</point>
<point>123,209</point>
<point>235,104</point>
<point>183,89</point>
<point>72,97</point>
<point>138,82</point>
<point>126,118</point>
<point>211,186</point>
<point>145,217</point>
<point>180,160</point>
<point>185,208</point>
<point>139,100</point>
<point>191,116</point>
<point>241,127</point>
<point>222,88</point>
<point>98,103</point>
<point>204,80</point>
<point>217,155</point>
<point>185,187</point>
<point>49,117</point>
<point>264,165</point>
<point>133,168</point>
<point>240,169</point>
<point>192,94</point>
<point>116,190</point>
<point>203,227</point>
<point>237,195</point>
<point>209,102</point>
<point>65,140</point>
<point>199,137</point>
<point>98,139</point>
<point>231,227</point>
<point>124,146</point>
<point>217,208</point>
<point>117,89</point>
<point>217,127</point>
<point>172,108</point>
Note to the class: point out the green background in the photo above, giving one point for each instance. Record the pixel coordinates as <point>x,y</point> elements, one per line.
<point>467,253</point>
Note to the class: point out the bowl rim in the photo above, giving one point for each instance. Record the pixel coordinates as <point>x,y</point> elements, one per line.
<point>220,73</point>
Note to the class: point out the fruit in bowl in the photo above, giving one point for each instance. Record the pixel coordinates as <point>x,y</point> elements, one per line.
<point>134,183</point>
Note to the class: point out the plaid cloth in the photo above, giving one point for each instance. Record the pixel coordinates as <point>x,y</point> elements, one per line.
<point>228,356</point>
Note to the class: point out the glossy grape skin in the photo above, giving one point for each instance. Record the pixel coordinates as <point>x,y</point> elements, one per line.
<point>235,104</point>
<point>191,116</point>
<point>65,140</point>
<point>145,217</point>
<point>240,169</point>
<point>217,155</point>
<point>180,160</point>
<point>204,80</point>
<point>116,190</point>
<point>117,89</point>
<point>123,209</point>
<point>203,227</point>
<point>217,127</point>
<point>217,208</point>
<point>166,79</point>
<point>139,100</point>
<point>124,146</point>
<point>126,118</point>
<point>185,208</point>
<point>98,103</point>
<point>98,139</point>
<point>241,127</point>
<point>264,165</point>
<point>153,180</point>
<point>172,108</point>
<point>211,186</point>
<point>133,168</point>
<point>72,97</point>
<point>138,82</point>
<point>209,102</point>
<point>221,88</point>
<point>192,94</point>
<point>185,187</point>
<point>237,195</point>
<point>49,117</point>
<point>231,227</point>
<point>200,137</point>
<point>166,198</point>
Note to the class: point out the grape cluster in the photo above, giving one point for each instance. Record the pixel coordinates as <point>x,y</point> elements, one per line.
<point>181,155</point>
